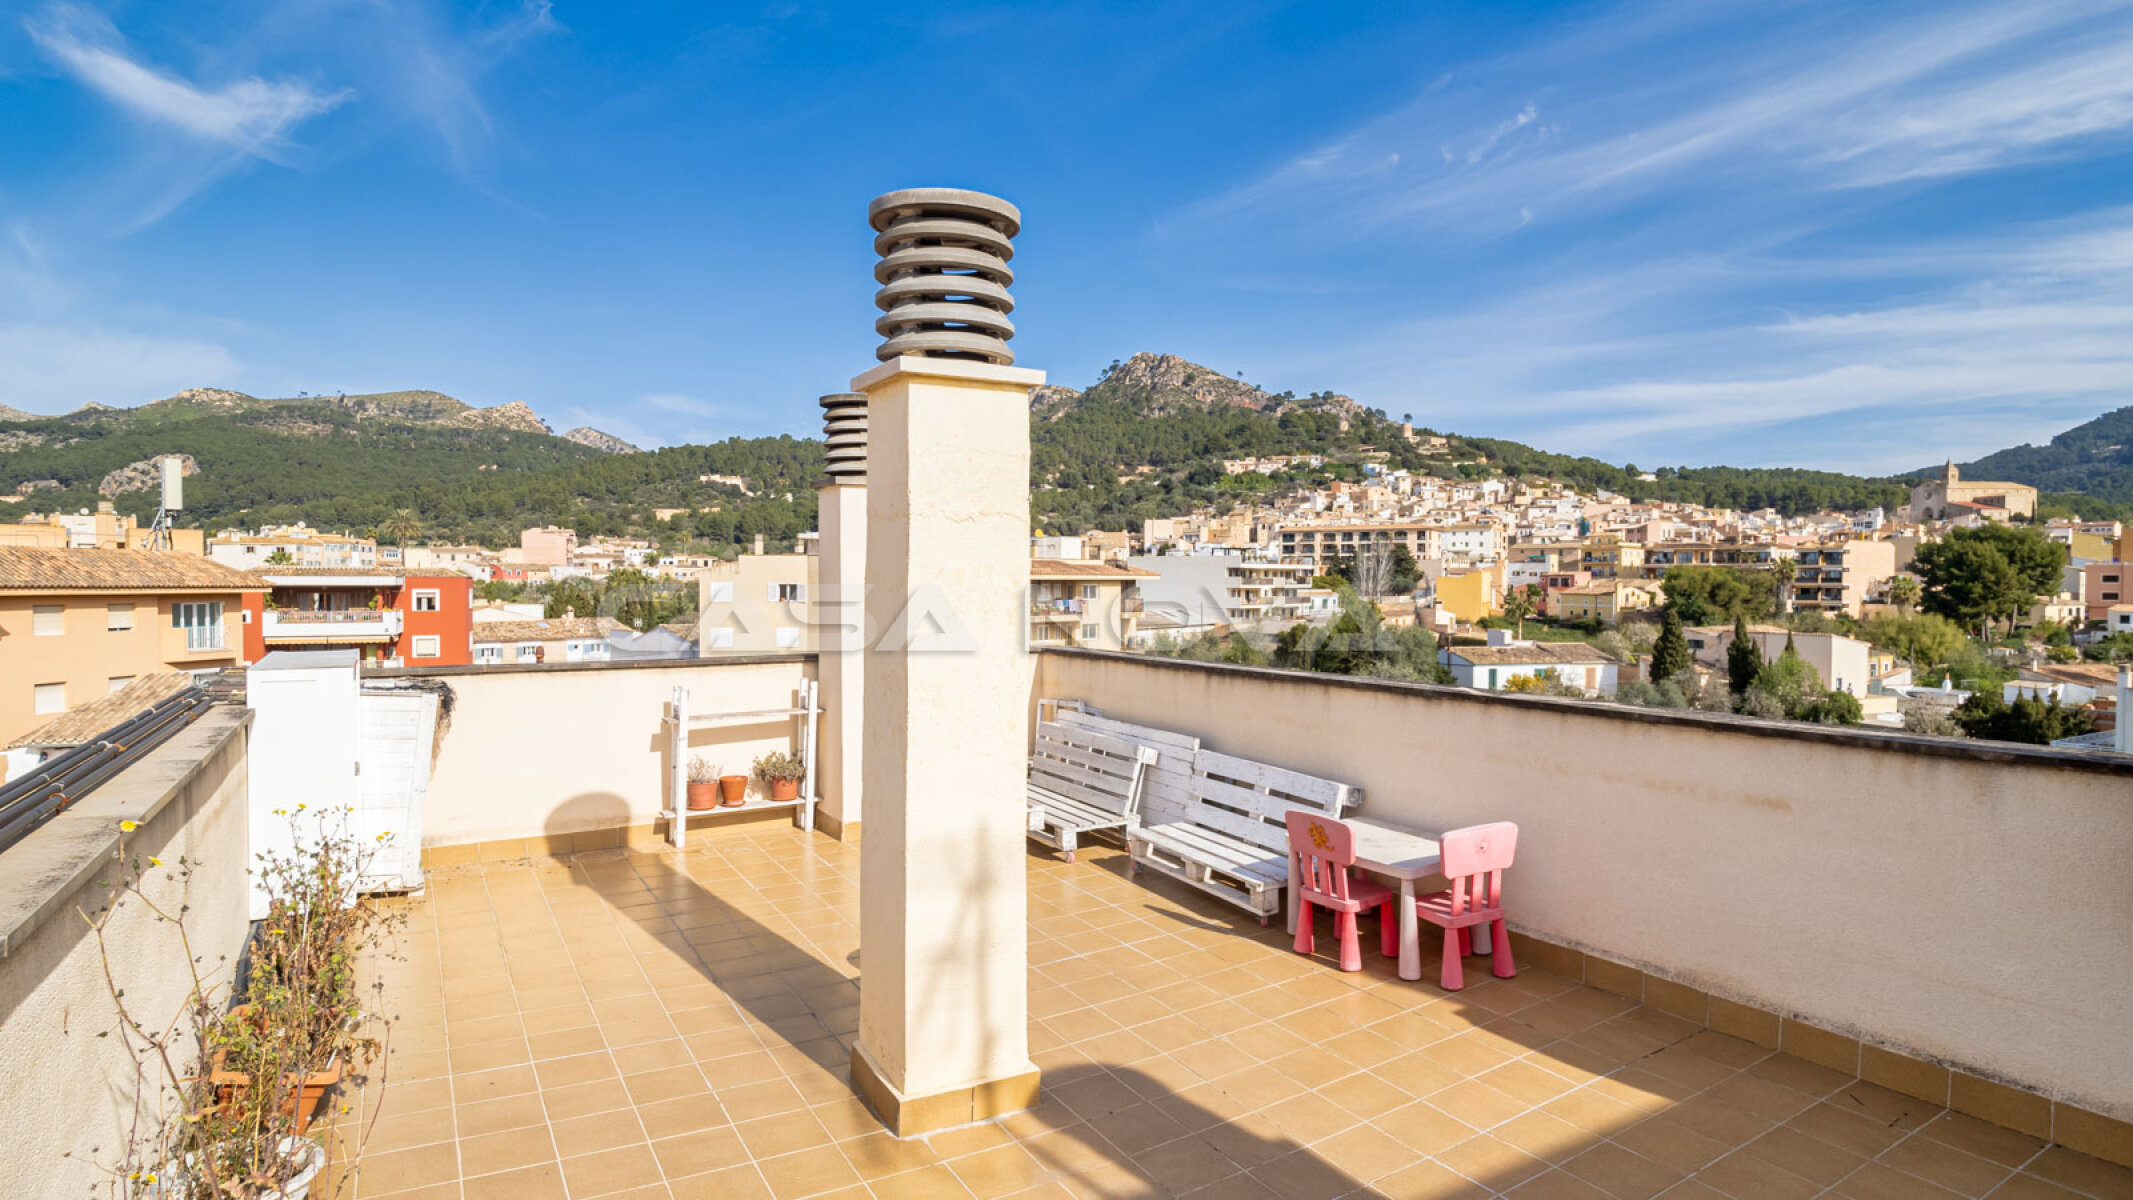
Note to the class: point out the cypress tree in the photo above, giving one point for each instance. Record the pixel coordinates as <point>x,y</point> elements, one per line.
<point>1670,654</point>
<point>1743,658</point>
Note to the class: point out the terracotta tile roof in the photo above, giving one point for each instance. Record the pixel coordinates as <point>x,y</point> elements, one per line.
<point>1049,568</point>
<point>685,630</point>
<point>28,569</point>
<point>76,727</point>
<point>546,631</point>
<point>1538,652</point>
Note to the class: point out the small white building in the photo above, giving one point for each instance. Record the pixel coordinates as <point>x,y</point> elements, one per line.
<point>1493,666</point>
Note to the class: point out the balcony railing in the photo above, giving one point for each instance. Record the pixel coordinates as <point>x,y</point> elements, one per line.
<point>342,624</point>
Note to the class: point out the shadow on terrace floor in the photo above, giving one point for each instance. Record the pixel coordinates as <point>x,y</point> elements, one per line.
<point>646,1024</point>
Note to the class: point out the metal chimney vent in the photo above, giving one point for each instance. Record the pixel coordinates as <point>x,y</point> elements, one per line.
<point>844,434</point>
<point>944,273</point>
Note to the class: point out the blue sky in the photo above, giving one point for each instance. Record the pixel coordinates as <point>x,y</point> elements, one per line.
<point>1859,236</point>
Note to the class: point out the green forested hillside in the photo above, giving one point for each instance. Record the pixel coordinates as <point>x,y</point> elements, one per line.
<point>464,478</point>
<point>2095,459</point>
<point>1790,490</point>
<point>1147,440</point>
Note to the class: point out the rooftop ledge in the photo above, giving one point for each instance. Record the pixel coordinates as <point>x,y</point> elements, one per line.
<point>1796,731</point>
<point>46,869</point>
<point>736,659</point>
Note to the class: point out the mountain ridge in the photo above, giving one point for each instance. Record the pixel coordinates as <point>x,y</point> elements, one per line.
<point>1147,438</point>
<point>2094,458</point>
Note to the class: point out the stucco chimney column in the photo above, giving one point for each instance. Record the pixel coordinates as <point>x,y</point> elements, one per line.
<point>943,1015</point>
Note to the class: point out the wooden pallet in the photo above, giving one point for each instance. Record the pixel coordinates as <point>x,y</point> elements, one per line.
<point>1234,840</point>
<point>1081,781</point>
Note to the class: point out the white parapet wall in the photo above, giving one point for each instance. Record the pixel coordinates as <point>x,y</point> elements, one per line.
<point>1963,904</point>
<point>552,759</point>
<point>66,1081</point>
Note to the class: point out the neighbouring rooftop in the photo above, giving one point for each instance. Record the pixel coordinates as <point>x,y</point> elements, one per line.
<point>677,1025</point>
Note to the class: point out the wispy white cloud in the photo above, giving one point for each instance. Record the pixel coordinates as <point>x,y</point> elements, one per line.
<point>1987,341</point>
<point>1835,104</point>
<point>1724,233</point>
<point>252,116</point>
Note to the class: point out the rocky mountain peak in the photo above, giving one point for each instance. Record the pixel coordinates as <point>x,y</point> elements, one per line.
<point>606,443</point>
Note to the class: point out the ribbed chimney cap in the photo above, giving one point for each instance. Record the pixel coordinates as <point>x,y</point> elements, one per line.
<point>975,206</point>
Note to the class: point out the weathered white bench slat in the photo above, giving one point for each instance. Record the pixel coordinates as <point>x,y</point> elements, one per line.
<point>1082,780</point>
<point>1234,842</point>
<point>1166,793</point>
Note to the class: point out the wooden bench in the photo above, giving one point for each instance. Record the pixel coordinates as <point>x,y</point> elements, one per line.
<point>1166,792</point>
<point>1081,780</point>
<point>1234,841</point>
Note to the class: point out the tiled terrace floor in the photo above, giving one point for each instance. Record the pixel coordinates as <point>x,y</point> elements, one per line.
<point>652,1025</point>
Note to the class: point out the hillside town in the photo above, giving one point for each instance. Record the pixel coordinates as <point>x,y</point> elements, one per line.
<point>1503,584</point>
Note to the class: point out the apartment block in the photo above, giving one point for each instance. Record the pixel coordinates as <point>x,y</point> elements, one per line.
<point>547,546</point>
<point>1238,589</point>
<point>760,603</point>
<point>1837,577</point>
<point>389,618</point>
<point>1320,544</point>
<point>1090,604</point>
<point>2104,584</point>
<point>77,625</point>
<point>103,529</point>
<point>296,545</point>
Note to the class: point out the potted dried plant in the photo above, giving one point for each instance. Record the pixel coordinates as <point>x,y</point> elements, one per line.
<point>781,773</point>
<point>703,784</point>
<point>236,1129</point>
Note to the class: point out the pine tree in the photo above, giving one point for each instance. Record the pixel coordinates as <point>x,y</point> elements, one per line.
<point>1743,658</point>
<point>1670,654</point>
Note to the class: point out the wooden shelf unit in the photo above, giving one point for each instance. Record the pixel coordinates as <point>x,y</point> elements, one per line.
<point>806,713</point>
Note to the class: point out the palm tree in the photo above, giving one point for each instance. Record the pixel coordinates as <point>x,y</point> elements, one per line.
<point>1903,592</point>
<point>402,527</point>
<point>1520,604</point>
<point>1786,570</point>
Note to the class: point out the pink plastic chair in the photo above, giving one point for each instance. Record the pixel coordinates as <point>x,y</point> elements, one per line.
<point>1474,861</point>
<point>1323,851</point>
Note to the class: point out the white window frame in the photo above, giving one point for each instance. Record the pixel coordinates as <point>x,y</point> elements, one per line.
<point>48,620</point>
<point>117,683</point>
<point>721,638</point>
<point>788,637</point>
<point>1088,591</point>
<point>428,645</point>
<point>118,618</point>
<point>428,600</point>
<point>202,622</point>
<point>1090,633</point>
<point>720,591</point>
<point>48,699</point>
<point>489,656</point>
<point>529,652</point>
<point>788,593</point>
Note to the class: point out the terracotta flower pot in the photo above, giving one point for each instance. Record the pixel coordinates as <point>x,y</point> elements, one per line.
<point>702,796</point>
<point>733,790</point>
<point>785,789</point>
<point>302,1102</point>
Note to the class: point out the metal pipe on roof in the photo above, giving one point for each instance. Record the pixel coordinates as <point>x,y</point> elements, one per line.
<point>28,803</point>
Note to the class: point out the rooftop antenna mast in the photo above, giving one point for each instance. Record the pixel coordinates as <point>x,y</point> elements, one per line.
<point>173,502</point>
